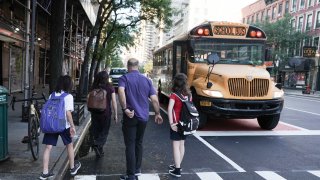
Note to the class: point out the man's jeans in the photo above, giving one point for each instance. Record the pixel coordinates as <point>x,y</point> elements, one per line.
<point>133,131</point>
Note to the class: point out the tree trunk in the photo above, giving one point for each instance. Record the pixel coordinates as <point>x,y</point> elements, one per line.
<point>94,56</point>
<point>56,41</point>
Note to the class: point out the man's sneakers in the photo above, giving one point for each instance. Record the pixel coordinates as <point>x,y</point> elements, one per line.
<point>138,172</point>
<point>176,172</point>
<point>172,167</point>
<point>74,170</point>
<point>46,176</point>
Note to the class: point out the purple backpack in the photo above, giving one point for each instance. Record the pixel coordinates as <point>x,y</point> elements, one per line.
<point>53,114</point>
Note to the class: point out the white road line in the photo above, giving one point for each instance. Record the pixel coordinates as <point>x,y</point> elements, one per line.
<point>259,133</point>
<point>269,175</point>
<point>149,177</point>
<point>85,177</point>
<point>209,176</point>
<point>316,173</point>
<point>303,111</point>
<point>305,98</point>
<point>297,127</point>
<point>236,166</point>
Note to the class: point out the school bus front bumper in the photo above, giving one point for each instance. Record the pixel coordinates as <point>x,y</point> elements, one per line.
<point>232,108</point>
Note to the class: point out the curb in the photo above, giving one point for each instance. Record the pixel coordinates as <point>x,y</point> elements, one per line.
<point>63,162</point>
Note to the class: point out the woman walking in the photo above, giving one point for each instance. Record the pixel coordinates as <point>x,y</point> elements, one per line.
<point>101,120</point>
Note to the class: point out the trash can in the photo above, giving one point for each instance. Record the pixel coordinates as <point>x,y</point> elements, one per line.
<point>3,123</point>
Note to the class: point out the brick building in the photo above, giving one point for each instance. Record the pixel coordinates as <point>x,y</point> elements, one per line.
<point>306,18</point>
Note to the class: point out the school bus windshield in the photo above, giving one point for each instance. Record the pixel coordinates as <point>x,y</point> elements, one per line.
<point>245,53</point>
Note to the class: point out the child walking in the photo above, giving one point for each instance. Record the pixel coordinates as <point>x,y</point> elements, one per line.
<point>64,85</point>
<point>180,87</point>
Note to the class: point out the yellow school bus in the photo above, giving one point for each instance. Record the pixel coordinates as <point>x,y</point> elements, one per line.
<point>237,86</point>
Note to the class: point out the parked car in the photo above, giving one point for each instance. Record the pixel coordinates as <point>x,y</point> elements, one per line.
<point>115,74</point>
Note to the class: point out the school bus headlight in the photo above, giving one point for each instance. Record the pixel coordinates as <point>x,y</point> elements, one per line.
<point>278,94</point>
<point>213,93</point>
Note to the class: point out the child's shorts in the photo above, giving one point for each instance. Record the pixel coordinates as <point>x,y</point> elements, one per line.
<point>52,138</point>
<point>177,136</point>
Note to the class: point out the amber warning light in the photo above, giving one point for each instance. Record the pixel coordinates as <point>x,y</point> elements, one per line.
<point>255,33</point>
<point>203,32</point>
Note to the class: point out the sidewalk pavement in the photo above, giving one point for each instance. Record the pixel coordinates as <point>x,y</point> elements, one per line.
<point>20,164</point>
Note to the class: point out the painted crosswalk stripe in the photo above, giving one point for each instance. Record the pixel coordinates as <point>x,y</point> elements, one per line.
<point>85,177</point>
<point>269,175</point>
<point>316,173</point>
<point>149,177</point>
<point>209,176</point>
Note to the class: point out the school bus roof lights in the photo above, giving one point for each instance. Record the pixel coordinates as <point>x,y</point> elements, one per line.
<point>203,32</point>
<point>255,34</point>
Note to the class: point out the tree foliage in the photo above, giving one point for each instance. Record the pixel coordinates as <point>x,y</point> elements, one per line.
<point>115,20</point>
<point>282,38</point>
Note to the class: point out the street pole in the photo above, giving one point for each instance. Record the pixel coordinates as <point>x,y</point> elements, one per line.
<point>27,43</point>
<point>33,16</point>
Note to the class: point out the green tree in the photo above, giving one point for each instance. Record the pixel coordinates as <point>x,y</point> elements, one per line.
<point>282,39</point>
<point>115,15</point>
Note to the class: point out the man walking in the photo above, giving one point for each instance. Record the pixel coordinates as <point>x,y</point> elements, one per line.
<point>134,91</point>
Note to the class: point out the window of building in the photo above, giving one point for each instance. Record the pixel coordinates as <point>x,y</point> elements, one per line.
<point>302,3</point>
<point>318,20</point>
<point>286,8</point>
<point>280,9</point>
<point>316,42</point>
<point>273,15</point>
<point>310,3</point>
<point>300,22</point>
<point>293,24</point>
<point>268,14</point>
<point>294,5</point>
<point>243,20</point>
<point>262,15</point>
<point>309,22</point>
<point>252,19</point>
<point>257,17</point>
<point>248,20</point>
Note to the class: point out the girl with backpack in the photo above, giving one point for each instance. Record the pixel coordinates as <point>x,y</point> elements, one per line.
<point>101,120</point>
<point>180,87</point>
<point>64,86</point>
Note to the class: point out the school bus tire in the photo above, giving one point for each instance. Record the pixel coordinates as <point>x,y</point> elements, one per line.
<point>202,120</point>
<point>202,116</point>
<point>268,122</point>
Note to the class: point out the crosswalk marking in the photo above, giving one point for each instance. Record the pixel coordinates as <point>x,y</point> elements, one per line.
<point>85,177</point>
<point>259,133</point>
<point>149,177</point>
<point>316,173</point>
<point>269,175</point>
<point>209,176</point>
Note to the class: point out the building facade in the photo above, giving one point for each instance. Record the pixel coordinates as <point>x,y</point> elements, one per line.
<point>306,18</point>
<point>15,41</point>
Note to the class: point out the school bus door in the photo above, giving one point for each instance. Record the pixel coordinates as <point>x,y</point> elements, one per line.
<point>179,57</point>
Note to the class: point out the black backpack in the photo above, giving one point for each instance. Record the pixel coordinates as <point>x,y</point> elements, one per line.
<point>189,117</point>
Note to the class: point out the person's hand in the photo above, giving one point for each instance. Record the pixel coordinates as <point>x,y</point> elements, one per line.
<point>158,119</point>
<point>72,131</point>
<point>129,113</point>
<point>174,127</point>
<point>116,119</point>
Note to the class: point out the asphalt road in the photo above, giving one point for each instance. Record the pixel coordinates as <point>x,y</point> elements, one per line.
<point>226,149</point>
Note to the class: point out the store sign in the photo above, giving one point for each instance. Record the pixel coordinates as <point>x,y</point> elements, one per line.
<point>309,51</point>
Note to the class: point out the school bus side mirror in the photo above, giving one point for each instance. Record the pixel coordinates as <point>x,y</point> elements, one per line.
<point>213,58</point>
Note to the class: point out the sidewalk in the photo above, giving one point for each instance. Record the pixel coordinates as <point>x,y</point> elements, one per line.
<point>298,92</point>
<point>20,164</point>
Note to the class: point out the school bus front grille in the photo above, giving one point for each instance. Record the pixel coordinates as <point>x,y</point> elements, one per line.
<point>244,88</point>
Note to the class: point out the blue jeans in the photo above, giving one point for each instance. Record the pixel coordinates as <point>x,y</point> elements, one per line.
<point>133,131</point>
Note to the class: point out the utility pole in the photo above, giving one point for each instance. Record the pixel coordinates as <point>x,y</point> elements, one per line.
<point>33,16</point>
<point>27,59</point>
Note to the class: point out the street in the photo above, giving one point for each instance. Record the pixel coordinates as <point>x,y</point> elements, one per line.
<point>229,149</point>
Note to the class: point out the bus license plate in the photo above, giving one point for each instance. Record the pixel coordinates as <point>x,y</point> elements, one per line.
<point>205,103</point>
